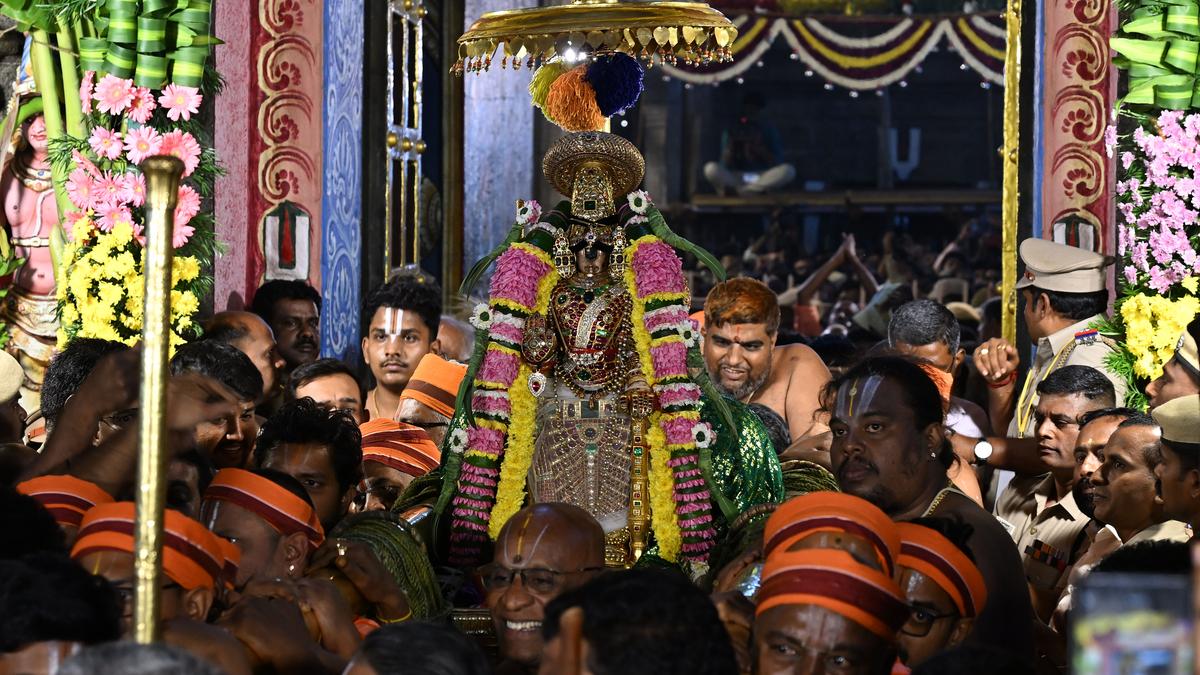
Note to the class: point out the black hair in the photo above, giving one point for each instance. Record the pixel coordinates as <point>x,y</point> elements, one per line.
<point>1093,415</point>
<point>776,426</point>
<point>178,494</point>
<point>308,372</point>
<point>1073,306</point>
<point>68,369</point>
<point>423,648</point>
<point>1151,454</point>
<point>1148,557</point>
<point>975,659</point>
<point>956,530</point>
<point>646,621</point>
<point>131,658</point>
<point>410,293</point>
<point>923,322</point>
<point>28,527</point>
<point>47,597</point>
<point>221,362</point>
<point>920,394</point>
<point>1188,453</point>
<point>1079,380</point>
<point>303,421</point>
<point>270,293</point>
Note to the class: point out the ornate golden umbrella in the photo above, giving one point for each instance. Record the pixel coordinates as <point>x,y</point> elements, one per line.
<point>688,32</point>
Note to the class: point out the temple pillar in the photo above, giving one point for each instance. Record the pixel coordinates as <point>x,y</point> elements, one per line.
<point>1075,88</point>
<point>499,164</point>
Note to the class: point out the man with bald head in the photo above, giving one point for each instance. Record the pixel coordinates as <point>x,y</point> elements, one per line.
<point>253,337</point>
<point>542,551</point>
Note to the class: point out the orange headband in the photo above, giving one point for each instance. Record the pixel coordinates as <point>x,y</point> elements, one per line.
<point>403,447</point>
<point>67,498</point>
<point>282,510</point>
<point>233,558</point>
<point>435,383</point>
<point>926,551</point>
<point>192,556</point>
<point>834,580</point>
<point>815,512</point>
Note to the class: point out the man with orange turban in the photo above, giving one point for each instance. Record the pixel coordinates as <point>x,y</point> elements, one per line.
<point>817,607</point>
<point>942,586</point>
<point>428,400</point>
<point>67,498</point>
<point>834,520</point>
<point>193,560</point>
<point>394,453</point>
<point>270,518</point>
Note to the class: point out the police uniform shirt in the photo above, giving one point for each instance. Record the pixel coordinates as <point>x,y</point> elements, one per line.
<point>1087,348</point>
<point>1046,536</point>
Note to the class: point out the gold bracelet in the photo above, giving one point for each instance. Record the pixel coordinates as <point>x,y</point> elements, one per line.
<point>402,619</point>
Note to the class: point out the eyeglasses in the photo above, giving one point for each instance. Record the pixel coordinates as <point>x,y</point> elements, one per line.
<point>428,425</point>
<point>921,620</point>
<point>536,579</point>
<point>385,492</point>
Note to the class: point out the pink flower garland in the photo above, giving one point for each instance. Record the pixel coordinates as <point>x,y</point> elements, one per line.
<point>661,291</point>
<point>514,296</point>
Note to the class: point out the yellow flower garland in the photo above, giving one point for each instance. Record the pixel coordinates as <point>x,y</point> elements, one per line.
<point>1153,325</point>
<point>661,480</point>
<point>518,448</point>
<point>518,456</point>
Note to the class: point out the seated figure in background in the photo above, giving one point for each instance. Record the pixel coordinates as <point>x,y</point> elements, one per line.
<point>751,153</point>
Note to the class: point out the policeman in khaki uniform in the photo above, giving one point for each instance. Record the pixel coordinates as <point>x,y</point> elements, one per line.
<point>1062,292</point>
<point>1179,471</point>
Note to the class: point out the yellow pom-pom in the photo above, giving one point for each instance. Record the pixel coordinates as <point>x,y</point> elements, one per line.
<point>571,103</point>
<point>543,77</point>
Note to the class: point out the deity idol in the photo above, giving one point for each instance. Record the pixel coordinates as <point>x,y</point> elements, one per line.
<point>30,216</point>
<point>582,391</point>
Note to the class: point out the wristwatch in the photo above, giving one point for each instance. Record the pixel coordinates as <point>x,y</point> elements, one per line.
<point>983,450</point>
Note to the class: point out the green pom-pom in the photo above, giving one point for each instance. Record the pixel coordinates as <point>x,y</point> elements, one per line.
<point>543,77</point>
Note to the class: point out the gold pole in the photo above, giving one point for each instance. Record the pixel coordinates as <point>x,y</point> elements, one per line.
<point>1010,157</point>
<point>162,192</point>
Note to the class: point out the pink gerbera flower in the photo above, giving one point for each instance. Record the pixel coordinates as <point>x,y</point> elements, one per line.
<point>111,215</point>
<point>141,106</point>
<point>113,94</point>
<point>109,189</point>
<point>134,190</point>
<point>188,205</point>
<point>180,102</point>
<point>81,189</point>
<point>105,143</point>
<point>142,143</point>
<point>184,146</point>
<point>86,87</point>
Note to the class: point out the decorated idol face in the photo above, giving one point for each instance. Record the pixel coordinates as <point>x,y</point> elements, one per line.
<point>35,133</point>
<point>591,261</point>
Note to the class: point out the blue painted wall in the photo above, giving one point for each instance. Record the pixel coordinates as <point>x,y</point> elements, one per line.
<point>341,202</point>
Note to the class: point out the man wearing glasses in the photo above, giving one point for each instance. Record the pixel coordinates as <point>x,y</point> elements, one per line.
<point>542,551</point>
<point>1039,511</point>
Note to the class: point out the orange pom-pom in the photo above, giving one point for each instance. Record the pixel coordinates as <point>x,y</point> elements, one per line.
<point>571,102</point>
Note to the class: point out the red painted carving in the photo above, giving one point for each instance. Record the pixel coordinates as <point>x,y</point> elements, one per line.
<point>1079,88</point>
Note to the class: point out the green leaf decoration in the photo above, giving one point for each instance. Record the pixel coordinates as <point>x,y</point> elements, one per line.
<point>1159,45</point>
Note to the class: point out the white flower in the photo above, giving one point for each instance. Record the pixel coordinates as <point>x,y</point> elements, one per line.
<point>702,434</point>
<point>481,316</point>
<point>691,337</point>
<point>528,212</point>
<point>458,440</point>
<point>639,201</point>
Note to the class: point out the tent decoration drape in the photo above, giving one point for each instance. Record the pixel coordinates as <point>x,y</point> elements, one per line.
<point>860,54</point>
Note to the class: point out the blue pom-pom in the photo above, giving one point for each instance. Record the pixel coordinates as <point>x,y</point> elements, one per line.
<point>617,80</point>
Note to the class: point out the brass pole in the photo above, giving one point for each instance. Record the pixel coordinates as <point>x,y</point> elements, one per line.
<point>1010,157</point>
<point>162,192</point>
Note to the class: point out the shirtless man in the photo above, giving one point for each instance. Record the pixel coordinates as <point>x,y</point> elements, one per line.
<point>741,321</point>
